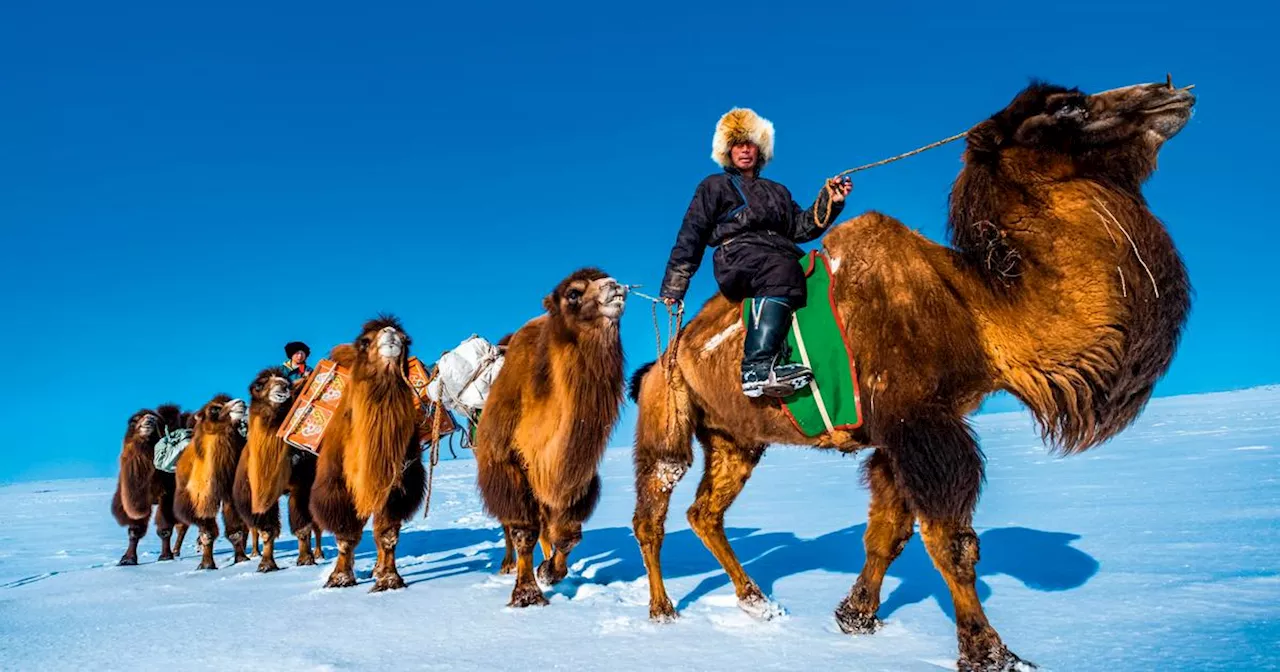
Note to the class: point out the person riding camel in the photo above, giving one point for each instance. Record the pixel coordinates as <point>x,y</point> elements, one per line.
<point>754,226</point>
<point>296,353</point>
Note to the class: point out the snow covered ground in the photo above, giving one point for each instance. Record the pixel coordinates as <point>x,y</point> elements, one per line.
<point>1158,551</point>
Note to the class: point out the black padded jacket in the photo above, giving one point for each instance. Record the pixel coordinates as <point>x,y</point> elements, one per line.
<point>754,211</point>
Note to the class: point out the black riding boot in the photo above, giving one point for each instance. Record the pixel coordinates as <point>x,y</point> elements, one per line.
<point>766,338</point>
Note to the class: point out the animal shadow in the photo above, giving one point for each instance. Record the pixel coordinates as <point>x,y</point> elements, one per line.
<point>1040,560</point>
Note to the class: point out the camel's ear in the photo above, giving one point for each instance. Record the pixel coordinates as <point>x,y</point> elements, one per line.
<point>551,305</point>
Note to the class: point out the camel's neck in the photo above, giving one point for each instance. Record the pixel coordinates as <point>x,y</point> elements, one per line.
<point>590,369</point>
<point>1084,302</point>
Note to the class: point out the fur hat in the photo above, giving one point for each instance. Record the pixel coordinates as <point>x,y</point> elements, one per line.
<point>296,346</point>
<point>741,125</point>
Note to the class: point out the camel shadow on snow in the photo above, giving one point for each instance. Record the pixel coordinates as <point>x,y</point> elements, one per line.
<point>1044,561</point>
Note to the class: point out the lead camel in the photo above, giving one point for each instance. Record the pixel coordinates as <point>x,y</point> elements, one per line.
<point>1060,287</point>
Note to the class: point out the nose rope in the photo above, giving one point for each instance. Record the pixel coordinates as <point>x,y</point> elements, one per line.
<point>825,219</point>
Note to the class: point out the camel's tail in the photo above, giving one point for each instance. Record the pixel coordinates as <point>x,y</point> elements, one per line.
<point>664,428</point>
<point>135,483</point>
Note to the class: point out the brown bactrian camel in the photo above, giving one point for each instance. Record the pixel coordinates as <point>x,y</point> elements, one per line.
<point>206,475</point>
<point>270,468</point>
<point>141,486</point>
<point>370,457</point>
<point>1061,287</point>
<point>546,422</point>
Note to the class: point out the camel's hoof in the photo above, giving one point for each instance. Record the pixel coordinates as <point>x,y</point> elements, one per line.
<point>761,608</point>
<point>388,581</point>
<point>207,564</point>
<point>853,621</point>
<point>306,561</point>
<point>240,557</point>
<point>527,596</point>
<point>129,561</point>
<point>547,573</point>
<point>319,554</point>
<point>165,557</point>
<point>663,612</point>
<point>267,565</point>
<point>999,659</point>
<point>341,580</point>
<point>255,554</point>
<point>508,567</point>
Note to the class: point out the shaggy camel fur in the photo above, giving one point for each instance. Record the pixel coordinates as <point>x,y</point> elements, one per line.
<point>206,476</point>
<point>545,424</point>
<point>370,457</point>
<point>141,486</point>
<point>270,468</point>
<point>1061,288</point>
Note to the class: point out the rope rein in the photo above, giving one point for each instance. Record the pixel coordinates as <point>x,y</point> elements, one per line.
<point>822,222</point>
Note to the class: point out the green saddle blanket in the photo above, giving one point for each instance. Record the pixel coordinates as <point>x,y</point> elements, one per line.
<point>817,340</point>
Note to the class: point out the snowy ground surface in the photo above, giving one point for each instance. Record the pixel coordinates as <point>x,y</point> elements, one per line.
<point>1158,551</point>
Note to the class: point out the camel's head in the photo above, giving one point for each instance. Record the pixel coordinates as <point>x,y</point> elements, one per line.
<point>382,344</point>
<point>221,414</point>
<point>1114,135</point>
<point>171,417</point>
<point>271,388</point>
<point>143,425</point>
<point>588,298</point>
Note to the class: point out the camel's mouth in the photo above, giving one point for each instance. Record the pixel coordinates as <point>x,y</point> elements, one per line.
<point>278,396</point>
<point>235,409</point>
<point>390,344</point>
<point>613,299</point>
<point>146,425</point>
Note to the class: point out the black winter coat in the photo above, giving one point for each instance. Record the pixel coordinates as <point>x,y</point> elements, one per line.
<point>752,212</point>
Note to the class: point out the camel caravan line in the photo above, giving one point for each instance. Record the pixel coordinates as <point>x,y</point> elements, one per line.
<point>1060,286</point>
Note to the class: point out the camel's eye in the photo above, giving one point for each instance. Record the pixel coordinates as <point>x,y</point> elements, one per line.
<point>364,342</point>
<point>1071,109</point>
<point>573,295</point>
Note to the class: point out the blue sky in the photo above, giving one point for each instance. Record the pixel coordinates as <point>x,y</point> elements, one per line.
<point>184,189</point>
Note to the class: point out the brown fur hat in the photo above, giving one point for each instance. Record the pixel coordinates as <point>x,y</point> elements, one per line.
<point>741,125</point>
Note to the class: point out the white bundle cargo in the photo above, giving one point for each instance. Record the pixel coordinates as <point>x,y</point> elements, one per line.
<point>465,374</point>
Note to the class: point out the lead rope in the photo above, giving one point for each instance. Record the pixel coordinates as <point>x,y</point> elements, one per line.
<point>826,217</point>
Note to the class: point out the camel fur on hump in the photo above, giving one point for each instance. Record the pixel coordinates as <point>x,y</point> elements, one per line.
<point>140,486</point>
<point>370,458</point>
<point>206,475</point>
<point>546,423</point>
<point>1060,287</point>
<point>271,468</point>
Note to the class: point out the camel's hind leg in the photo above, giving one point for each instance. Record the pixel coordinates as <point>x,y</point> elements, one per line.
<point>889,526</point>
<point>728,466</point>
<point>563,530</point>
<point>255,545</point>
<point>181,530</point>
<point>509,555</point>
<point>165,519</point>
<point>663,454</point>
<point>939,469</point>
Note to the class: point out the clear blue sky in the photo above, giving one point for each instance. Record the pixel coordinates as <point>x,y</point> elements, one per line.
<point>183,189</point>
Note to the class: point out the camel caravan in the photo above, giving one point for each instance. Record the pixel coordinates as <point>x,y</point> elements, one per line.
<point>1060,286</point>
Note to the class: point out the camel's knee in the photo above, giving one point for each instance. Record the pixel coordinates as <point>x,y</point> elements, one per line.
<point>954,550</point>
<point>524,538</point>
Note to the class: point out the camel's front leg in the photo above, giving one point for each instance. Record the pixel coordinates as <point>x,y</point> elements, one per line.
<point>526,592</point>
<point>386,531</point>
<point>208,533</point>
<point>344,569</point>
<point>889,527</point>
<point>563,529</point>
<point>728,466</point>
<point>237,532</point>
